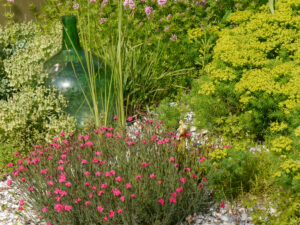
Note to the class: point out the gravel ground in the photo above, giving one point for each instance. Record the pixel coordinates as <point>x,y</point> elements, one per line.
<point>10,198</point>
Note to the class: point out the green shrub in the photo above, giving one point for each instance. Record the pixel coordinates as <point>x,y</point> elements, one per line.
<point>253,79</point>
<point>111,177</point>
<point>32,113</point>
<point>12,39</point>
<point>231,172</point>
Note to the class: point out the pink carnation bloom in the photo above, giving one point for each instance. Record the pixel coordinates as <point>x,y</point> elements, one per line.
<point>98,174</point>
<point>100,208</point>
<point>45,209</point>
<point>160,142</point>
<point>222,205</point>
<point>172,200</point>
<point>60,168</point>
<point>202,159</point>
<point>116,192</point>
<point>172,159</point>
<point>182,180</point>
<point>67,208</point>
<point>87,173</point>
<point>87,203</point>
<point>118,179</point>
<point>144,164</point>
<point>120,210</point>
<point>174,194</point>
<point>8,183</point>
<point>111,213</point>
<point>161,201</point>
<point>89,143</point>
<point>104,185</point>
<point>152,175</point>
<point>58,207</point>
<point>128,186</point>
<point>122,198</point>
<point>30,189</point>
<point>180,190</point>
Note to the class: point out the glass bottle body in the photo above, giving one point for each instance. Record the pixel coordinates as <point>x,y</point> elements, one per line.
<point>82,79</point>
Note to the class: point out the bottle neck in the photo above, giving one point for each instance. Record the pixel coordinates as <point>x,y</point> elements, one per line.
<point>70,36</point>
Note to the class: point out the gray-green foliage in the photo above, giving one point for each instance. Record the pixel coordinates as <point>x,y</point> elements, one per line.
<point>32,114</point>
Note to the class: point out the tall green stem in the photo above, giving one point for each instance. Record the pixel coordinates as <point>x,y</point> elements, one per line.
<point>119,80</point>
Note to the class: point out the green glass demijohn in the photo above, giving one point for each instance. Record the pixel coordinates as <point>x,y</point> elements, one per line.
<point>82,78</point>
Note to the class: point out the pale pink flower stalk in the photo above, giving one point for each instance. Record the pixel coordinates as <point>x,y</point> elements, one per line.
<point>173,37</point>
<point>76,6</point>
<point>102,20</point>
<point>161,2</point>
<point>148,10</point>
<point>130,4</point>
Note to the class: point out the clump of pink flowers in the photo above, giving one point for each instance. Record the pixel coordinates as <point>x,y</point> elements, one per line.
<point>103,175</point>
